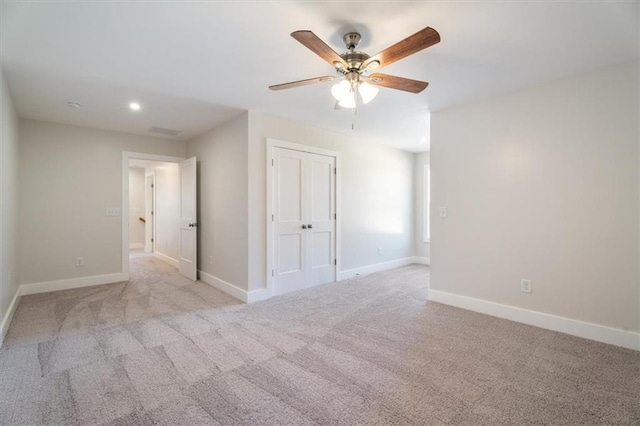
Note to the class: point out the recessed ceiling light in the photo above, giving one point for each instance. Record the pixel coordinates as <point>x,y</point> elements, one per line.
<point>134,106</point>
<point>74,104</point>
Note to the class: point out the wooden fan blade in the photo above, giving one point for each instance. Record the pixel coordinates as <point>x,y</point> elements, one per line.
<point>399,83</point>
<point>410,45</point>
<point>319,47</point>
<point>299,83</point>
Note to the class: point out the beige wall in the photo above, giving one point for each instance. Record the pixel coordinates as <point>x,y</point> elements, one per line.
<point>68,176</point>
<point>222,201</point>
<point>8,200</point>
<point>542,184</point>
<point>377,194</point>
<point>422,248</point>
<point>167,212</point>
<point>136,206</point>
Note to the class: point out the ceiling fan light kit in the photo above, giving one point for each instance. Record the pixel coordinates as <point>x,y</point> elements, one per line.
<point>353,67</point>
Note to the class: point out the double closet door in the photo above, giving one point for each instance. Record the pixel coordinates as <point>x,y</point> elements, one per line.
<point>304,219</point>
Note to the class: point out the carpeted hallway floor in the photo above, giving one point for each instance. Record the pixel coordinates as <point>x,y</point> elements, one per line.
<point>163,350</point>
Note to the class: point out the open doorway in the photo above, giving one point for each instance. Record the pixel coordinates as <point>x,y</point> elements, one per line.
<point>154,215</point>
<point>143,213</point>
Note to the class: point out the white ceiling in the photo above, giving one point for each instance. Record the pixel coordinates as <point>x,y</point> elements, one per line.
<point>193,65</point>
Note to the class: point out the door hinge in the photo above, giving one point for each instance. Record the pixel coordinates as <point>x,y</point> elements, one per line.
<point>151,212</point>
<point>335,216</point>
<point>272,272</point>
<point>335,262</point>
<point>272,161</point>
<point>272,218</point>
<point>152,240</point>
<point>152,185</point>
<point>335,171</point>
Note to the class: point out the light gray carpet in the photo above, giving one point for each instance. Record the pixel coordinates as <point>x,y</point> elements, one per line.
<point>163,350</point>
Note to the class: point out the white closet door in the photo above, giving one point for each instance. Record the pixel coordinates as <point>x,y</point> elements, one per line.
<point>289,268</point>
<point>304,220</point>
<point>320,212</point>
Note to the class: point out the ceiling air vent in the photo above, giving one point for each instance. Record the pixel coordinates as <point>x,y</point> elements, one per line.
<point>163,131</point>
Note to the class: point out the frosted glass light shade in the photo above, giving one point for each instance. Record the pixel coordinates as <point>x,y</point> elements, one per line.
<point>345,93</point>
<point>341,90</point>
<point>348,101</point>
<point>367,92</point>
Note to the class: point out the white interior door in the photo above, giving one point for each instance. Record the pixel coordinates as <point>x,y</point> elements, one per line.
<point>304,220</point>
<point>148,214</point>
<point>321,217</point>
<point>188,219</point>
<point>288,221</point>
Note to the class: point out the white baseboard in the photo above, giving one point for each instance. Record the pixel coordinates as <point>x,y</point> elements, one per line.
<point>376,267</point>
<point>170,260</point>
<point>224,286</point>
<point>234,291</point>
<point>47,286</point>
<point>421,260</point>
<point>258,295</point>
<point>136,246</point>
<point>599,333</point>
<point>6,321</point>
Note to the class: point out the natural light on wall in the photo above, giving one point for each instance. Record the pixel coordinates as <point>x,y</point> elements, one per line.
<point>427,204</point>
<point>387,206</point>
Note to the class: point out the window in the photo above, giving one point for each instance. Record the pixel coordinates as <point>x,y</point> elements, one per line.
<point>426,205</point>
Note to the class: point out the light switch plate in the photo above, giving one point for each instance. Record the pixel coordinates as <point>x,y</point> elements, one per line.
<point>112,211</point>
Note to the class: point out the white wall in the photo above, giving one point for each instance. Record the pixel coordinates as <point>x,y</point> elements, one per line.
<point>542,184</point>
<point>167,212</point>
<point>222,201</point>
<point>136,207</point>
<point>377,194</point>
<point>68,177</point>
<point>8,201</point>
<point>422,248</point>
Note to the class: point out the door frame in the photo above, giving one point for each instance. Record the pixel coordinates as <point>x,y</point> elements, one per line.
<point>126,156</point>
<point>271,145</point>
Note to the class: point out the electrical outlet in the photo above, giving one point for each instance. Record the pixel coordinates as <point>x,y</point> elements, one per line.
<point>79,262</point>
<point>442,212</point>
<point>379,251</point>
<point>525,286</point>
<point>112,211</point>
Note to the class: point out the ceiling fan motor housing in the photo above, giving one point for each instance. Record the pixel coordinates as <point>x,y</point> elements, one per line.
<point>354,59</point>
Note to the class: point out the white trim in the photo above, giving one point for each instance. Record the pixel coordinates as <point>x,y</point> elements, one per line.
<point>426,204</point>
<point>275,143</point>
<point>6,321</point>
<point>376,267</point>
<point>167,259</point>
<point>258,295</point>
<point>136,246</point>
<point>124,217</point>
<point>599,333</point>
<point>223,286</point>
<point>48,286</point>
<point>233,290</point>
<point>421,260</point>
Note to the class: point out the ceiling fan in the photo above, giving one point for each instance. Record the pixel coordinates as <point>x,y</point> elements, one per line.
<point>354,69</point>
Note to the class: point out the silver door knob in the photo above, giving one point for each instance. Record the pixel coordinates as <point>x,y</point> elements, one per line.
<point>193,225</point>
<point>309,226</point>
<point>304,226</point>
